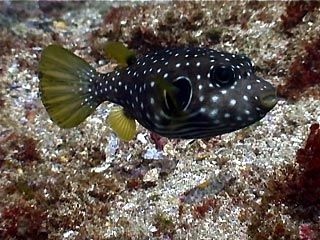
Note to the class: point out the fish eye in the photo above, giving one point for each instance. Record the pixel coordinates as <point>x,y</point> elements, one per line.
<point>222,75</point>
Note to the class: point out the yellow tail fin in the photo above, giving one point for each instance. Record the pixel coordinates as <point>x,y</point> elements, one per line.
<point>66,86</point>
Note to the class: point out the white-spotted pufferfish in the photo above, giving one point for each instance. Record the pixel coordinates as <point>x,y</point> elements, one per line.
<point>177,93</point>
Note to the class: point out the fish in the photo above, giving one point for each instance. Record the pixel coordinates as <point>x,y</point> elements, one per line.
<point>181,92</point>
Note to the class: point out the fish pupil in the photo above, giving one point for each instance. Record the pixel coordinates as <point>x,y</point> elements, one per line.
<point>223,75</point>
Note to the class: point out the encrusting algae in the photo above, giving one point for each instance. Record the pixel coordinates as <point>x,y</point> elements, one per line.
<point>177,93</point>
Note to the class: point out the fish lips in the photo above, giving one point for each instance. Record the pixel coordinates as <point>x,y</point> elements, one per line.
<point>268,99</point>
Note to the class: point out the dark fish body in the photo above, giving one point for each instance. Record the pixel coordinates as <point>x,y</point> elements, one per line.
<point>177,93</point>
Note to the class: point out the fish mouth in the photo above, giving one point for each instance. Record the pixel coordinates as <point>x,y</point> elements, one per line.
<point>268,99</point>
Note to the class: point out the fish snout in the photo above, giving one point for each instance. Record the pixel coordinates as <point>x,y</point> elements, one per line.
<point>268,98</point>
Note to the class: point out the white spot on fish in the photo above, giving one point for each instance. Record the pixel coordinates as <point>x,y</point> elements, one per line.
<point>226,115</point>
<point>156,117</point>
<point>233,102</point>
<point>215,99</point>
<point>214,112</point>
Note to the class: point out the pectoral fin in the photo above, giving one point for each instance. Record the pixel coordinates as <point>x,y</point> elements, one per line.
<point>177,94</point>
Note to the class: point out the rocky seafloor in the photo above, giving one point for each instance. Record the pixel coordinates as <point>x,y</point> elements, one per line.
<point>261,182</point>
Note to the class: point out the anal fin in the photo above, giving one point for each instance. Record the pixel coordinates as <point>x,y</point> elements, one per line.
<point>122,125</point>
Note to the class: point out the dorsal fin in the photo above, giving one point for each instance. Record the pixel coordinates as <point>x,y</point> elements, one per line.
<point>120,53</point>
